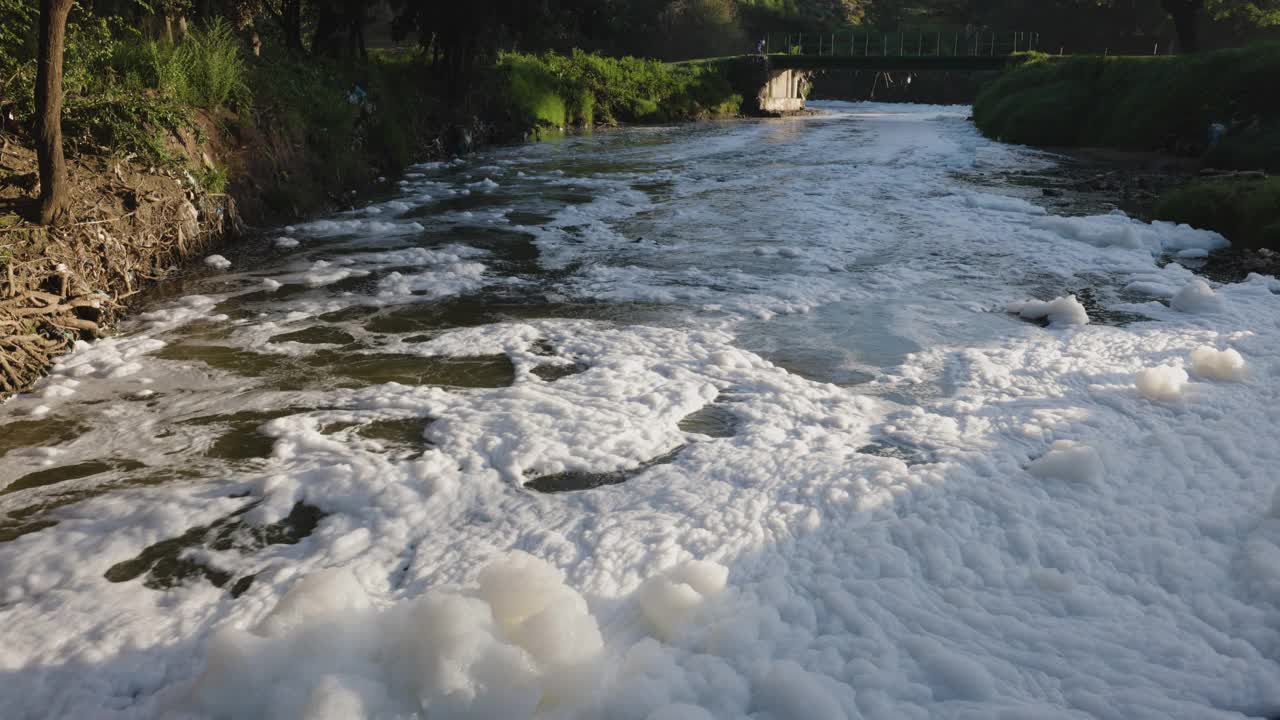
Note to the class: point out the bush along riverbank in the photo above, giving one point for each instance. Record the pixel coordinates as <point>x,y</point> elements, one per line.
<point>550,92</point>
<point>169,146</point>
<point>172,147</point>
<point>1244,209</point>
<point>1215,106</point>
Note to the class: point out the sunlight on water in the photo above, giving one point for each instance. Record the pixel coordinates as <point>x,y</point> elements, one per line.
<point>792,418</point>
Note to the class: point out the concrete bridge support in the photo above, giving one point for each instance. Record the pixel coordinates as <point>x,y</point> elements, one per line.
<point>784,91</point>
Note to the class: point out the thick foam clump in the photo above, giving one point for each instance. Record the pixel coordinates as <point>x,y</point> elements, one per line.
<point>1070,461</point>
<point>524,641</point>
<point>1196,297</point>
<point>1161,383</point>
<point>1058,311</point>
<point>1213,364</point>
<point>1121,231</point>
<point>217,262</point>
<point>673,598</point>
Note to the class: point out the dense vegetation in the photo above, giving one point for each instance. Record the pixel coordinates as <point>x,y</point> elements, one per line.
<point>581,89</point>
<point>1245,210</point>
<point>136,72</point>
<point>1210,105</point>
<point>129,96</point>
<point>1145,103</point>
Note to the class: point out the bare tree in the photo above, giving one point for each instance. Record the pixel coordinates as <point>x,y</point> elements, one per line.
<point>55,199</point>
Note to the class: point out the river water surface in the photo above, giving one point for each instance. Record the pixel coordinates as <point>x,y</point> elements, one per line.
<point>719,420</point>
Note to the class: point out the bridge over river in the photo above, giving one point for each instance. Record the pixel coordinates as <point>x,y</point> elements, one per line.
<point>787,60</point>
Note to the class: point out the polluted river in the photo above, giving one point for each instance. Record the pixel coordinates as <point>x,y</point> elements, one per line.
<point>833,416</point>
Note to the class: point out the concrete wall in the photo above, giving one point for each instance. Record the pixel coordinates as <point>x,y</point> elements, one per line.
<point>783,91</point>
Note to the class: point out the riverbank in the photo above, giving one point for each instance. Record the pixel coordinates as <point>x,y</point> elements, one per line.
<point>175,148</point>
<point>161,179</point>
<point>1207,108</point>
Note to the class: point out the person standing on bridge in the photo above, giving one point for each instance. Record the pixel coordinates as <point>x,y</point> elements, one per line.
<point>760,46</point>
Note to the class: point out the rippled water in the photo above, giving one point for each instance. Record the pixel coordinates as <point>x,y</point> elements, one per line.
<point>704,341</point>
<point>804,237</point>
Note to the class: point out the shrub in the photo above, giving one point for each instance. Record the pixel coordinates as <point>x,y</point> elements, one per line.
<point>534,91</point>
<point>206,70</point>
<point>1148,103</point>
<point>214,180</point>
<point>214,67</point>
<point>584,88</point>
<point>1246,211</point>
<point>17,41</point>
<point>1253,147</point>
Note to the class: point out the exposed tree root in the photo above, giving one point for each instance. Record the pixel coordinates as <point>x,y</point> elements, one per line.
<point>59,286</point>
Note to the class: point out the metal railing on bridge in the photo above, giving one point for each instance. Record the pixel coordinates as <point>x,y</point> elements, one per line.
<point>873,43</point>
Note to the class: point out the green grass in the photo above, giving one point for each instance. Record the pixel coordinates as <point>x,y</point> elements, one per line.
<point>214,180</point>
<point>1246,211</point>
<point>307,99</point>
<point>122,92</point>
<point>582,89</point>
<point>1144,103</point>
<point>534,90</point>
<point>207,70</point>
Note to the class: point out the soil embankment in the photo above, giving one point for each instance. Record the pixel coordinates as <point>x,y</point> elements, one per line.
<point>137,223</point>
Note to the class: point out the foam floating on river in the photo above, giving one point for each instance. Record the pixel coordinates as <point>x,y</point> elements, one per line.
<point>922,509</point>
<point>1066,310</point>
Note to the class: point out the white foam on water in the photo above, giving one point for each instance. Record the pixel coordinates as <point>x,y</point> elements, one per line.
<point>1213,364</point>
<point>1058,311</point>
<point>1164,382</point>
<point>996,524</point>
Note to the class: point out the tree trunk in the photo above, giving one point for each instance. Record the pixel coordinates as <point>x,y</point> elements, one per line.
<point>55,200</point>
<point>291,22</point>
<point>354,15</point>
<point>182,28</point>
<point>1186,22</point>
<point>324,40</point>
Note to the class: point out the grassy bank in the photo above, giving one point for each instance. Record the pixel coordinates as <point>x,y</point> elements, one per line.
<point>1165,103</point>
<point>551,91</point>
<point>1143,103</point>
<point>1246,210</point>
